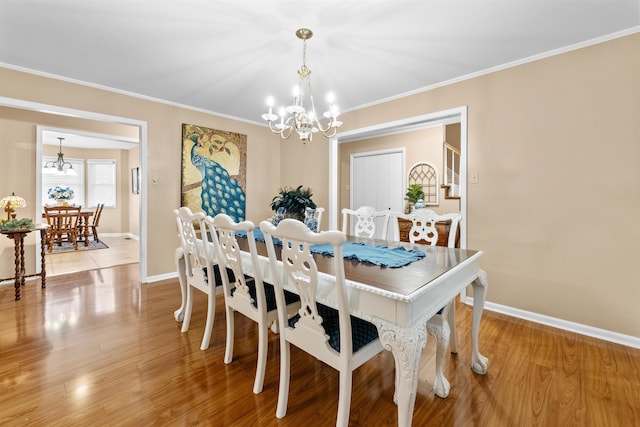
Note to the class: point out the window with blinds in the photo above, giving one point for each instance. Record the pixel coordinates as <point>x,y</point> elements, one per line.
<point>101,183</point>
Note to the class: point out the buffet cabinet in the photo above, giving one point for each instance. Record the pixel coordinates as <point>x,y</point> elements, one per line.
<point>443,227</point>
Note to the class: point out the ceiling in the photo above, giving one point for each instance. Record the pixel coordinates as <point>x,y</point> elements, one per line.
<point>77,139</point>
<point>226,57</point>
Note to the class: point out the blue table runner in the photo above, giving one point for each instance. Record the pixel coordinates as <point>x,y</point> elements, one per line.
<point>380,255</point>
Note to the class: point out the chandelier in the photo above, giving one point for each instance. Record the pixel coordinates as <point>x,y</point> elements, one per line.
<point>301,115</point>
<point>59,166</point>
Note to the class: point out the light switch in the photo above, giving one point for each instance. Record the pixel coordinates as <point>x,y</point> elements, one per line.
<point>474,177</point>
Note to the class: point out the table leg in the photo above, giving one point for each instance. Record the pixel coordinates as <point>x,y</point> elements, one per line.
<point>43,263</point>
<point>16,245</point>
<point>86,232</point>
<point>479,363</point>
<point>438,327</point>
<point>181,267</point>
<point>406,345</point>
<point>22,270</point>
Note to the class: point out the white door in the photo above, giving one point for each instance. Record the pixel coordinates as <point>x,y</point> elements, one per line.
<point>377,180</point>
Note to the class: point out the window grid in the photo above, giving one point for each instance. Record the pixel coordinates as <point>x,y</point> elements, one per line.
<point>426,175</point>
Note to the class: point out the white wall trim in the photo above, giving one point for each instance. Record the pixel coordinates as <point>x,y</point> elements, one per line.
<point>166,276</point>
<point>590,331</point>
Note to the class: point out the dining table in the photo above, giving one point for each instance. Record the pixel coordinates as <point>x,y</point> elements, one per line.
<point>83,220</point>
<point>398,300</point>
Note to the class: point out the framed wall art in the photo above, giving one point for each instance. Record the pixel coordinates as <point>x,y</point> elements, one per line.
<point>214,171</point>
<point>135,181</point>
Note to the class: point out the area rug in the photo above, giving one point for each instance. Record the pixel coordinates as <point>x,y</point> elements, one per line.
<point>68,247</point>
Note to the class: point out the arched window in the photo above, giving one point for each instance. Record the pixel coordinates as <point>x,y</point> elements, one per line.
<point>427,176</point>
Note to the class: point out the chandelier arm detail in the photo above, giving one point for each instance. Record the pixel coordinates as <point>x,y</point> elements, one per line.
<point>300,115</point>
<point>58,166</point>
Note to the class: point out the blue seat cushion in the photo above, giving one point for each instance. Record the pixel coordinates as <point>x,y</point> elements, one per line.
<point>269,294</point>
<point>362,332</point>
<point>217,277</point>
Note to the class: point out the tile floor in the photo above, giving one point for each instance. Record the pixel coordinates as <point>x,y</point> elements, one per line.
<point>122,250</point>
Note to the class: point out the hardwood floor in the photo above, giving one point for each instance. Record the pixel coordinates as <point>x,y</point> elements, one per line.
<point>98,348</point>
<point>121,250</point>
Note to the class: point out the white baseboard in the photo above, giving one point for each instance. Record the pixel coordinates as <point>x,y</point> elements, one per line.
<point>161,277</point>
<point>603,334</point>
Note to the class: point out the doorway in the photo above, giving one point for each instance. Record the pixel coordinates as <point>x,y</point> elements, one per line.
<point>454,115</point>
<point>121,211</point>
<point>141,127</point>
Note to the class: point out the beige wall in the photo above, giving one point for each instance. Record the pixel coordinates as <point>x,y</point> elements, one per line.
<point>556,143</point>
<point>541,136</point>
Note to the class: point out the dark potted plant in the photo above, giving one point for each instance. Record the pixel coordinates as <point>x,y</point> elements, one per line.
<point>294,201</point>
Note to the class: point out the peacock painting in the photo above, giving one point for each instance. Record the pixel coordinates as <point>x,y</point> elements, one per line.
<point>213,171</point>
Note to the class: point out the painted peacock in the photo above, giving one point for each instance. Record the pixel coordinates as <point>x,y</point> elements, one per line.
<point>220,193</point>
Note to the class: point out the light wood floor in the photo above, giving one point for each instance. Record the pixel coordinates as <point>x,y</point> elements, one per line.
<point>98,348</point>
<point>121,250</point>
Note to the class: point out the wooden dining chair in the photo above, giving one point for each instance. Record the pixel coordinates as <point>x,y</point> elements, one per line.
<point>63,225</point>
<point>363,220</point>
<point>442,325</point>
<point>199,256</point>
<point>93,227</point>
<point>247,295</point>
<point>331,335</point>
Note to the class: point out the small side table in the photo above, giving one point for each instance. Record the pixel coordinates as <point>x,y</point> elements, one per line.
<point>18,241</point>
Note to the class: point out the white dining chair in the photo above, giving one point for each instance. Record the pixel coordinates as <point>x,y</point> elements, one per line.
<point>331,335</point>
<point>363,220</point>
<point>442,325</point>
<point>199,258</point>
<point>247,295</point>
<point>319,212</point>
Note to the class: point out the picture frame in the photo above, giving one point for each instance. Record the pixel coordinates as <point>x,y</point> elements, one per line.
<point>213,178</point>
<point>135,180</point>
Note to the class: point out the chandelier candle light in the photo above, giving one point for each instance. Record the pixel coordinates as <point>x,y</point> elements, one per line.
<point>301,115</point>
<point>58,166</point>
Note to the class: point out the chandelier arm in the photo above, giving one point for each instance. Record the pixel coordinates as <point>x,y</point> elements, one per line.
<point>59,164</point>
<point>272,128</point>
<point>317,121</point>
<point>332,134</point>
<point>287,129</point>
